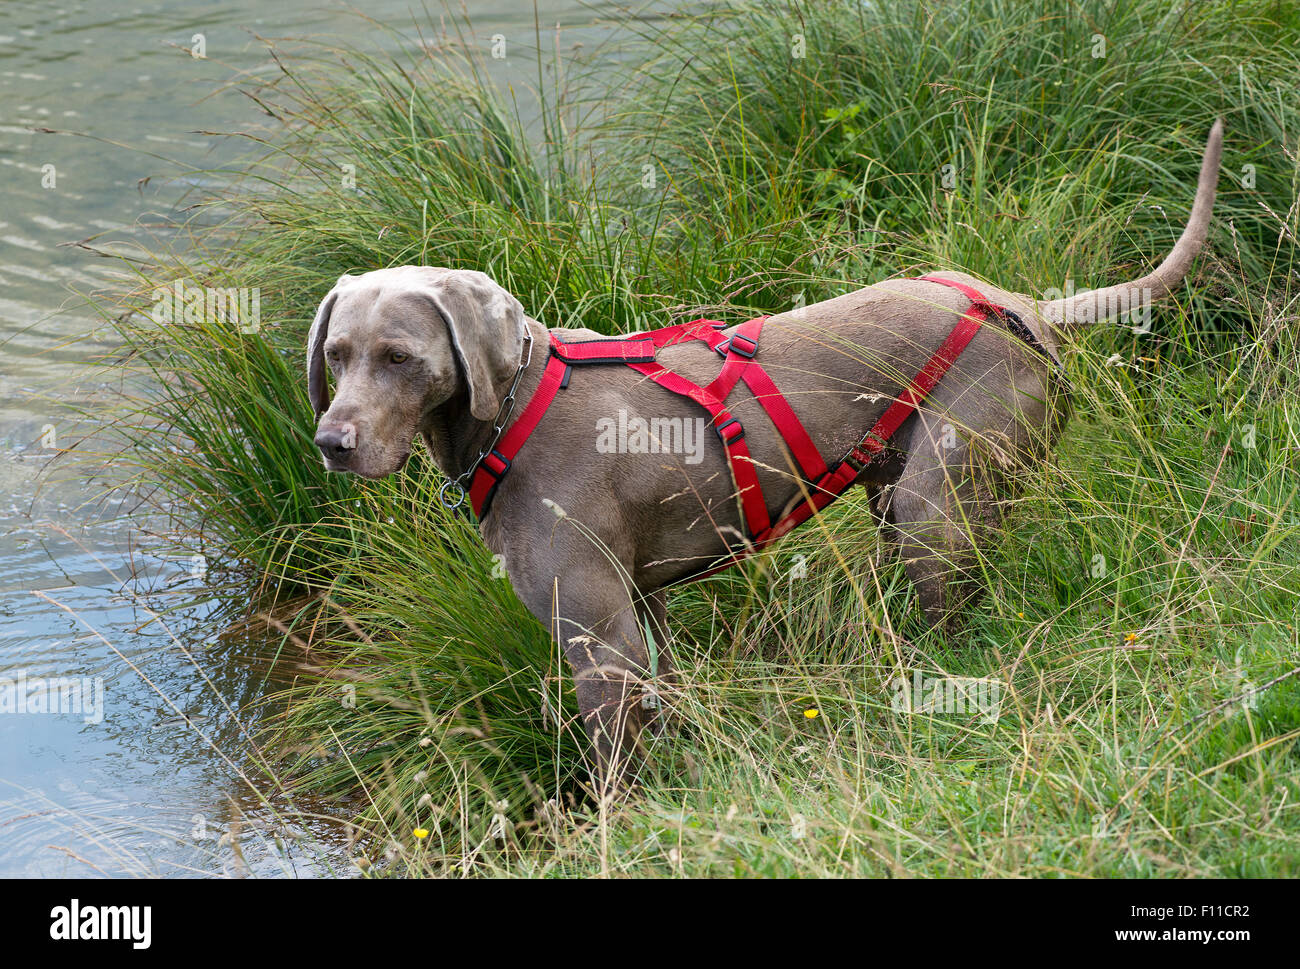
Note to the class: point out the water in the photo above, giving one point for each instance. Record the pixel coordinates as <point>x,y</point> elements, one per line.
<point>135,786</point>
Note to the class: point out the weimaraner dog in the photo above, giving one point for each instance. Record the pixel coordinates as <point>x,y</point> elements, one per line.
<point>592,536</point>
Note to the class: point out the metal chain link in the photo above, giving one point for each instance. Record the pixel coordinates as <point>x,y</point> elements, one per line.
<point>499,425</point>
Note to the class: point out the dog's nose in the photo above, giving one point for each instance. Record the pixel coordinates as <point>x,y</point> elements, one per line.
<point>337,441</point>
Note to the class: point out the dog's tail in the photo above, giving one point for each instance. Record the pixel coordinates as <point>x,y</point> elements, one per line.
<point>1101,304</point>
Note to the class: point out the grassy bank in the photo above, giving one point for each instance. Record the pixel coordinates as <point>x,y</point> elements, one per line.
<point>1140,606</point>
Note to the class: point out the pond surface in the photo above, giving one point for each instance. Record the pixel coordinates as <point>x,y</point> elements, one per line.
<point>117,769</point>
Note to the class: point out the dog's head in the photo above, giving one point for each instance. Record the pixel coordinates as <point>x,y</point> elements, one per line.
<point>401,343</point>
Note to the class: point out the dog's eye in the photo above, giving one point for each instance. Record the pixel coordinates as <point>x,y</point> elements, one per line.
<point>398,357</point>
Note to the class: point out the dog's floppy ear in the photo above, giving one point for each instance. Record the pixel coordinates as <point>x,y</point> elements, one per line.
<point>318,390</point>
<point>486,325</point>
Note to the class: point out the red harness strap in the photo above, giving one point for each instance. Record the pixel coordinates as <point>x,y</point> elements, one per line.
<point>739,350</point>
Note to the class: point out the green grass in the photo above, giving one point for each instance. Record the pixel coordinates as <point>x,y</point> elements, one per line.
<point>1151,570</point>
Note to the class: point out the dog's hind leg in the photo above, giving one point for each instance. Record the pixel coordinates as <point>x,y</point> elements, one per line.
<point>939,513</point>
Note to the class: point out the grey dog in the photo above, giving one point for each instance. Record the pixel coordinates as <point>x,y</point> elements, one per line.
<point>591,540</point>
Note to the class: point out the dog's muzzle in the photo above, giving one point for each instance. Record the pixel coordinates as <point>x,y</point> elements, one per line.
<point>337,442</point>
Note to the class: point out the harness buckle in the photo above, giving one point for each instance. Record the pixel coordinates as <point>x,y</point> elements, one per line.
<point>729,438</point>
<point>496,464</point>
<point>864,452</point>
<point>740,345</point>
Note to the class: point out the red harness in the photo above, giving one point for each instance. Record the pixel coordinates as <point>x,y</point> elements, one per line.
<point>638,352</point>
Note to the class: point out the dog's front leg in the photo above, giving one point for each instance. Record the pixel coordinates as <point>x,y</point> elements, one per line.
<point>615,689</point>
<point>652,613</point>
<point>595,622</point>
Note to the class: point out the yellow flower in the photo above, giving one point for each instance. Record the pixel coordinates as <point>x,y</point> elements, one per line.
<point>1130,637</point>
<point>421,833</point>
<point>811,713</point>
<point>1021,615</point>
